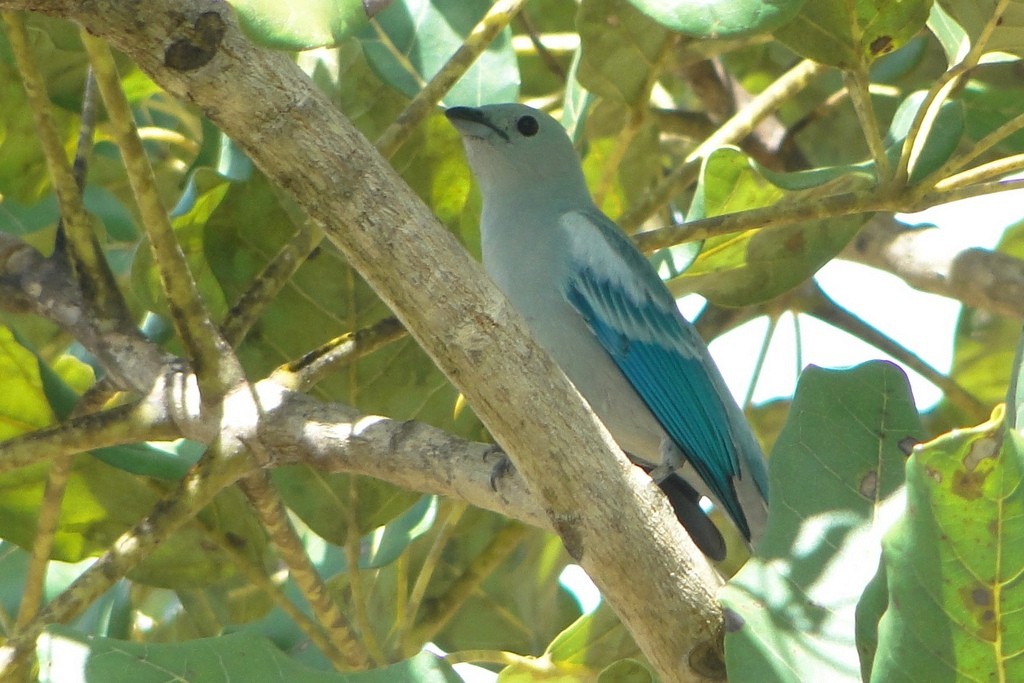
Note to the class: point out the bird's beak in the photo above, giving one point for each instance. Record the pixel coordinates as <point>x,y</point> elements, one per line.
<point>470,121</point>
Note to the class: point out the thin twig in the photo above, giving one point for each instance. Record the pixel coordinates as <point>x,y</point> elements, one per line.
<point>59,472</point>
<point>493,23</point>
<point>279,270</point>
<point>211,475</point>
<point>86,254</point>
<point>120,425</point>
<point>974,177</point>
<point>348,652</point>
<point>430,564</point>
<point>857,87</point>
<point>305,372</point>
<point>542,50</point>
<point>354,573</point>
<point>762,356</point>
<point>959,161</point>
<point>733,130</point>
<point>765,217</point>
<point>47,521</point>
<point>501,545</point>
<point>833,206</point>
<point>216,366</point>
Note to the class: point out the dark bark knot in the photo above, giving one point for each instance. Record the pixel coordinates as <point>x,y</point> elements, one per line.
<point>199,44</point>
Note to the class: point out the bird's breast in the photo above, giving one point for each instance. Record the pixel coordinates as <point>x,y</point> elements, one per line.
<point>534,283</point>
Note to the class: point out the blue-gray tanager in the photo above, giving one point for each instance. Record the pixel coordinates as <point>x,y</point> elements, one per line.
<point>600,309</point>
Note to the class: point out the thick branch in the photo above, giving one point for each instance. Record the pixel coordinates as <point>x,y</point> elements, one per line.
<point>977,277</point>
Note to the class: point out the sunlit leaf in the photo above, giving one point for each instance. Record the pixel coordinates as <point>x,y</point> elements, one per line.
<point>756,265</point>
<point>847,34</point>
<point>411,40</point>
<point>66,655</point>
<point>591,644</point>
<point>23,403</point>
<point>942,137</point>
<point>619,49</point>
<point>720,18</point>
<point>846,433</point>
<point>960,24</point>
<point>300,24</point>
<point>952,564</point>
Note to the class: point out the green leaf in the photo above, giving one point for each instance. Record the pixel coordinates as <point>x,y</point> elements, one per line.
<point>300,24</point>
<point>828,32</point>
<point>118,221</point>
<point>66,655</point>
<point>960,24</point>
<point>720,18</point>
<point>950,34</point>
<point>672,262</point>
<point>24,406</point>
<point>520,606</point>
<point>953,564</point>
<point>988,107</point>
<point>576,102</point>
<point>323,501</point>
<point>620,47</point>
<point>593,643</point>
<point>754,266</point>
<point>24,219</point>
<point>621,170</point>
<point>169,461</point>
<point>409,42</point>
<point>595,640</point>
<point>195,556</point>
<point>188,228</point>
<point>791,607</point>
<point>102,501</point>
<point>20,219</point>
<point>1015,394</point>
<point>941,138</point>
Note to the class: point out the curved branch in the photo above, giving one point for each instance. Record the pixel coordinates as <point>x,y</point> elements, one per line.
<point>980,278</point>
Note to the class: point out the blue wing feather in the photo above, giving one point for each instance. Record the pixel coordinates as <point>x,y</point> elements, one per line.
<point>638,324</point>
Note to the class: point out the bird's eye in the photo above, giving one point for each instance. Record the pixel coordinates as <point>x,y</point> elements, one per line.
<point>528,126</point>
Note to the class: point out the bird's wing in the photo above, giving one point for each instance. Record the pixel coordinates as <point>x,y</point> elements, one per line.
<point>635,318</point>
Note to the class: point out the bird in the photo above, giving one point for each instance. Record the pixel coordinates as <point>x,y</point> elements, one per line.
<point>599,309</point>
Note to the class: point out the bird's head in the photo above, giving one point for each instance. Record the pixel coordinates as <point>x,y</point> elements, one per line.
<point>513,147</point>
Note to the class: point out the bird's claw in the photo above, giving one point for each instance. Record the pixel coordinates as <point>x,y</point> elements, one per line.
<point>661,472</point>
<point>501,468</point>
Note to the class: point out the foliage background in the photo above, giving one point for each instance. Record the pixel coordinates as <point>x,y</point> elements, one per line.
<point>805,129</point>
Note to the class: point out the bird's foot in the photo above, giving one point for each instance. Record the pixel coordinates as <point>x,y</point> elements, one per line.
<point>502,468</point>
<point>672,460</point>
<point>661,472</point>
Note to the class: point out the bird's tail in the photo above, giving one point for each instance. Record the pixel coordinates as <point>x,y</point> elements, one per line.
<point>685,501</point>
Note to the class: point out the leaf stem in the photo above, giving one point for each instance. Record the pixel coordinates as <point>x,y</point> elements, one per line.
<point>860,97</point>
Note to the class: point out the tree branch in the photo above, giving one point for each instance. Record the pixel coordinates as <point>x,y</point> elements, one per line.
<point>980,278</point>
